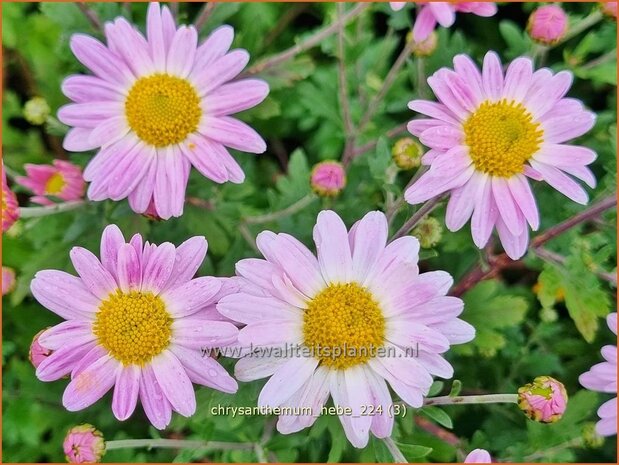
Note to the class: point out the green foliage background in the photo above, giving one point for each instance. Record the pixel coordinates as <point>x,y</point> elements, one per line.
<point>521,334</point>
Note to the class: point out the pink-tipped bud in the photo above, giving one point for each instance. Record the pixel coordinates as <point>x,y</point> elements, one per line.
<point>609,9</point>
<point>425,47</point>
<point>543,400</point>
<point>84,444</point>
<point>547,24</point>
<point>38,353</point>
<point>397,6</point>
<point>8,280</point>
<point>328,178</point>
<point>478,456</point>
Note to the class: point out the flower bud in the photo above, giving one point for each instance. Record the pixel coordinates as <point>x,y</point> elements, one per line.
<point>8,280</point>
<point>151,212</point>
<point>328,178</point>
<point>84,444</point>
<point>36,111</point>
<point>590,436</point>
<point>543,400</point>
<point>547,24</point>
<point>478,456</point>
<point>37,352</point>
<point>10,208</point>
<point>609,9</point>
<point>429,232</point>
<point>423,48</point>
<point>406,153</point>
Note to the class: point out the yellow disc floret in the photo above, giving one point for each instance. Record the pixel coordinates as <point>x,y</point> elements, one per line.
<point>133,327</point>
<point>55,184</point>
<point>163,109</point>
<point>501,137</point>
<point>343,326</point>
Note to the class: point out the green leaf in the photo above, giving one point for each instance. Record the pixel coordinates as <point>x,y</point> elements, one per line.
<point>381,160</point>
<point>456,387</point>
<point>490,309</point>
<point>413,451</point>
<point>438,415</point>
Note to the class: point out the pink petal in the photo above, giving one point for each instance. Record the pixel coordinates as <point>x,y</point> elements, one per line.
<point>515,245</point>
<point>232,133</point>
<point>91,384</point>
<point>126,391</point>
<point>518,79</point>
<point>252,367</point>
<point>370,239</point>
<point>155,35</point>
<point>188,258</point>
<point>492,76</point>
<point>155,403</point>
<point>247,309</point>
<point>174,383</point>
<point>111,241</point>
<point>444,13</point>
<point>131,46</point>
<point>206,156</point>
<point>485,213</point>
<point>195,333</point>
<point>286,381</point>
<point>565,127</point>
<point>215,46</point>
<point>67,333</point>
<point>182,51</point>
<point>506,205</point>
<point>461,204</point>
<point>561,182</point>
<point>424,24</point>
<point>157,268</point>
<point>434,110</point>
<point>62,361</point>
<point>222,70</point>
<point>205,370</point>
<point>236,96</point>
<point>64,295</point>
<point>97,57</point>
<point>88,115</point>
<point>95,277</point>
<point>468,70</point>
<point>523,196</point>
<point>187,298</point>
<point>170,183</point>
<point>333,249</point>
<point>84,89</point>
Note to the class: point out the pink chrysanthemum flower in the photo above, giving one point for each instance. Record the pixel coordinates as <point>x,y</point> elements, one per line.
<point>136,320</point>
<point>603,378</point>
<point>10,208</point>
<point>84,444</point>
<point>489,133</point>
<point>543,400</point>
<point>63,180</point>
<point>8,280</point>
<point>547,24</point>
<point>478,456</point>
<point>350,321</point>
<point>157,105</point>
<point>443,13</point>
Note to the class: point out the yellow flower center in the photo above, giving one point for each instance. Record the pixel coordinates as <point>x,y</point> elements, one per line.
<point>55,184</point>
<point>162,109</point>
<point>133,327</point>
<point>501,137</point>
<point>343,326</point>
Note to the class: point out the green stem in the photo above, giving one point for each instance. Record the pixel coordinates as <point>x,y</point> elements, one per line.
<point>594,17</point>
<point>425,209</point>
<point>398,456</point>
<point>295,207</point>
<point>178,444</point>
<point>309,43</point>
<point>482,399</point>
<point>35,212</point>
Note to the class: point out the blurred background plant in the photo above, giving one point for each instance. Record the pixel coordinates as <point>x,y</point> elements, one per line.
<point>340,77</point>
